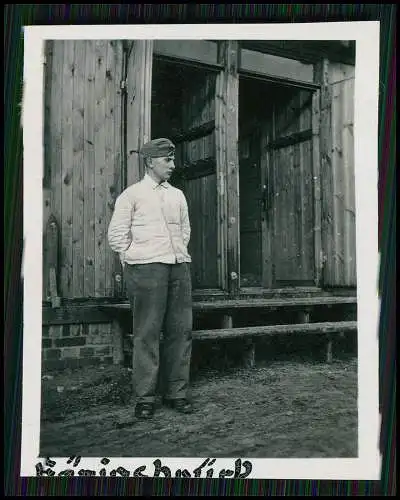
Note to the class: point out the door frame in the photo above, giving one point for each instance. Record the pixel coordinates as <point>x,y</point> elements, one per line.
<point>228,69</point>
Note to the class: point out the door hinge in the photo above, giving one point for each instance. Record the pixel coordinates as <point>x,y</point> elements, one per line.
<point>123,85</point>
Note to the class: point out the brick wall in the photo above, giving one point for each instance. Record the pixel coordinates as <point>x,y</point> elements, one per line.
<point>73,346</point>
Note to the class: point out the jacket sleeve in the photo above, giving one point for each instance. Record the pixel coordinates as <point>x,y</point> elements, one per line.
<point>119,230</point>
<point>185,221</point>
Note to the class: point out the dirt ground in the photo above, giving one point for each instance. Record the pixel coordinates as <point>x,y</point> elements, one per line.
<point>282,409</point>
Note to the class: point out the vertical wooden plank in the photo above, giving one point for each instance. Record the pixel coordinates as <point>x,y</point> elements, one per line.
<point>275,195</point>
<point>299,211</point>
<point>133,124</point>
<point>232,165</point>
<point>316,184</point>
<point>211,233</point>
<point>117,181</point>
<point>148,62</point>
<point>204,229</point>
<point>89,170</point>
<point>48,142</point>
<point>309,215</point>
<point>100,166</point>
<point>304,208</point>
<point>220,145</point>
<point>78,111</point>
<point>347,103</point>
<point>47,107</point>
<point>110,125</point>
<point>267,216</point>
<point>67,169</point>
<point>337,178</point>
<point>138,105</point>
<point>306,182</point>
<point>326,173</point>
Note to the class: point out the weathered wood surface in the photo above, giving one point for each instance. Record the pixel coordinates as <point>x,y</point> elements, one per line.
<point>342,81</point>
<point>51,248</point>
<point>227,132</point>
<point>275,66</point>
<point>89,243</point>
<point>256,331</point>
<point>138,88</point>
<point>337,174</point>
<point>83,155</point>
<point>200,187</point>
<point>222,206</point>
<point>191,51</point>
<point>255,303</point>
<point>191,125</point>
<point>293,189</point>
<point>316,126</point>
<point>67,173</point>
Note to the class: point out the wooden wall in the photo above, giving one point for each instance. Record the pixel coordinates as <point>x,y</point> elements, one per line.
<point>83,160</point>
<point>337,175</point>
<point>84,171</point>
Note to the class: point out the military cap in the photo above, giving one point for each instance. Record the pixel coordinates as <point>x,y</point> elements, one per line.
<point>158,148</point>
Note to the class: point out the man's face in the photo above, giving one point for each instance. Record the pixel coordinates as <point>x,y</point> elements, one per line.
<point>162,168</point>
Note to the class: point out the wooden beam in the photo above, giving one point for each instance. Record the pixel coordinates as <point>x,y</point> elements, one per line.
<point>197,169</point>
<point>325,328</point>
<point>194,133</point>
<point>74,315</point>
<point>275,67</point>
<point>230,305</point>
<point>289,140</point>
<point>97,312</point>
<point>194,52</point>
<point>306,52</point>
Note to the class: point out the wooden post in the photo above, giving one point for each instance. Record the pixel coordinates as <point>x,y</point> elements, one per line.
<point>220,153</point>
<point>304,316</point>
<point>228,158</point>
<point>250,354</point>
<point>118,342</point>
<point>316,127</point>
<point>227,321</point>
<point>327,251</point>
<point>329,347</point>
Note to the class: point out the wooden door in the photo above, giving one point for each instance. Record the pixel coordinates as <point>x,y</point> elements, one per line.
<point>196,168</point>
<point>290,191</point>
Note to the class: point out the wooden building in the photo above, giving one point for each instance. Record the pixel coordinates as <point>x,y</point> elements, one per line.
<point>265,157</point>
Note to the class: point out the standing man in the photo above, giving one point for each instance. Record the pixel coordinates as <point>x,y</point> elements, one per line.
<point>150,230</point>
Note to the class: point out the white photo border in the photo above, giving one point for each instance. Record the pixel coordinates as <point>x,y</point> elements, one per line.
<point>366,35</point>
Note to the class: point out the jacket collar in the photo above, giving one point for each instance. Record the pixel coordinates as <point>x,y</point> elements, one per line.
<point>152,183</point>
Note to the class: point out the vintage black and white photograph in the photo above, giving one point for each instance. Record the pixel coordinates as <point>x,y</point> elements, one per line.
<point>199,249</point>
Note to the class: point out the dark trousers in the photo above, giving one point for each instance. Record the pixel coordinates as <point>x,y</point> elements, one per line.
<point>161,300</point>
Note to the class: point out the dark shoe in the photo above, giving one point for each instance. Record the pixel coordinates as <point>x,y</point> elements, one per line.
<point>144,411</point>
<point>182,405</point>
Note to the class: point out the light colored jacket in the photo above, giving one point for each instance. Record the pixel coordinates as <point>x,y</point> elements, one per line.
<point>150,223</point>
